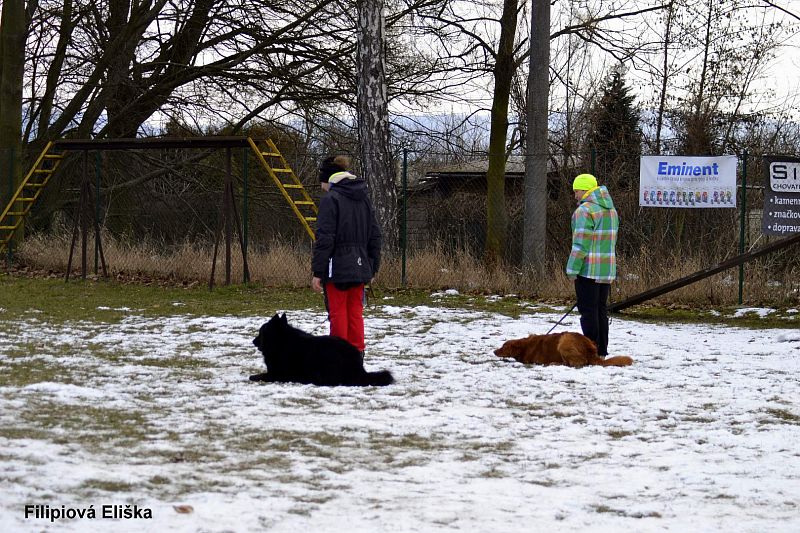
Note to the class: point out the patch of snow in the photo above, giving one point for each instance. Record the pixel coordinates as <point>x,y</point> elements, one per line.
<point>448,292</point>
<point>697,435</point>
<point>788,336</point>
<point>760,311</point>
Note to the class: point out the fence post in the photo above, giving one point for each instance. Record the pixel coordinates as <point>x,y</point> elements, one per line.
<point>97,209</point>
<point>742,215</point>
<point>227,202</point>
<point>85,209</point>
<point>404,221</point>
<point>245,156</point>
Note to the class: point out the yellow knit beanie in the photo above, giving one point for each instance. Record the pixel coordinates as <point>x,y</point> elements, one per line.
<point>584,182</point>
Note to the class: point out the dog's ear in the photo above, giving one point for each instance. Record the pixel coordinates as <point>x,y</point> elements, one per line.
<point>284,319</point>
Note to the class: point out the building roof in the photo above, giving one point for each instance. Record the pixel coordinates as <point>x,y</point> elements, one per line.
<point>515,167</point>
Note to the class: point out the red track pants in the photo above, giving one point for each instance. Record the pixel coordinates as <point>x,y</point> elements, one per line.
<point>346,311</point>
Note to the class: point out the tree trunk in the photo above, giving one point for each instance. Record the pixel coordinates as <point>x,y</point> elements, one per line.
<point>372,108</point>
<point>537,149</point>
<point>12,62</point>
<point>54,70</point>
<point>662,97</point>
<point>496,212</point>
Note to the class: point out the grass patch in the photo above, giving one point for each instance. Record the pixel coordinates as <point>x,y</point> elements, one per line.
<point>20,372</point>
<point>91,426</point>
<point>699,419</point>
<point>783,416</point>
<point>15,433</point>
<point>102,485</point>
<point>177,363</point>
<point>492,473</point>
<point>701,315</point>
<point>110,302</point>
<point>53,300</point>
<point>620,512</point>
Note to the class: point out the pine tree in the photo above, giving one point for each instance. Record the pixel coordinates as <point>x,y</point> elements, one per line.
<point>615,135</point>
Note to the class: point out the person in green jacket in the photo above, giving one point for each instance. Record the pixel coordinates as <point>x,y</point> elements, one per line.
<point>592,262</point>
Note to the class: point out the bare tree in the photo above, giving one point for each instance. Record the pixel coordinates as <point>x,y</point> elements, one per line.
<point>373,118</point>
<point>12,54</point>
<point>537,147</point>
<point>664,75</point>
<point>503,74</point>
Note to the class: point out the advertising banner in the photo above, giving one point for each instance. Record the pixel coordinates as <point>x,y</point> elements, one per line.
<point>688,182</point>
<point>781,195</point>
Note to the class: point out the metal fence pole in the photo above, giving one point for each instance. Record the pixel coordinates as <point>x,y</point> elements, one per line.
<point>227,202</point>
<point>97,210</point>
<point>86,208</point>
<point>245,156</point>
<point>404,221</point>
<point>742,215</point>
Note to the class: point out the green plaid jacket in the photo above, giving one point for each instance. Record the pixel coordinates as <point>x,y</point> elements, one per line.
<point>594,238</point>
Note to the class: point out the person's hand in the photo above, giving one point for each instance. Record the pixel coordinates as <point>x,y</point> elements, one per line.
<point>316,284</point>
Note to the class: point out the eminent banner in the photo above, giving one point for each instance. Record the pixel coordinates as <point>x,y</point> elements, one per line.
<point>687,181</point>
<point>781,195</point>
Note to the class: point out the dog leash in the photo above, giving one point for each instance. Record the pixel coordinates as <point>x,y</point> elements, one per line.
<point>562,318</point>
<point>327,310</point>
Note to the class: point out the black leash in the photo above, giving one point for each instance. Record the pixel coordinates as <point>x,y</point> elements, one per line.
<point>327,310</point>
<point>563,317</point>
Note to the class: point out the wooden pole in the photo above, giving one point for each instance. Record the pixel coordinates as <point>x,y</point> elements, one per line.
<point>702,274</point>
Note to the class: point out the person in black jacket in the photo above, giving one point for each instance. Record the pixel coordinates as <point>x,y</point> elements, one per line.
<point>347,249</point>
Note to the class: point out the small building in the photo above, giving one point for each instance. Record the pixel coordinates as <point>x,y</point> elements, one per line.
<point>447,206</point>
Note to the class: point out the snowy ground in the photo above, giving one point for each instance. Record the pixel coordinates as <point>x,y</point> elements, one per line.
<point>701,434</point>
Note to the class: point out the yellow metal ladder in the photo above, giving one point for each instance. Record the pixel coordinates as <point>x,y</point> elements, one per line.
<point>284,177</point>
<point>28,192</point>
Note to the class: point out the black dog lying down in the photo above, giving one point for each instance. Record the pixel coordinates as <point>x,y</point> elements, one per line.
<point>292,355</point>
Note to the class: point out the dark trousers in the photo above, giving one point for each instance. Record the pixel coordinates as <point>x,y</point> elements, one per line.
<point>593,307</point>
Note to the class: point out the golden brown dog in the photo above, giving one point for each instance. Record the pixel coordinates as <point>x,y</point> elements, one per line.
<point>570,349</point>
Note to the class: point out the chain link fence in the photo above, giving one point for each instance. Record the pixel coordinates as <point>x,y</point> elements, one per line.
<point>161,216</point>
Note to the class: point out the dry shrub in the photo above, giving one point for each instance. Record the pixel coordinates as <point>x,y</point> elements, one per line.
<point>278,264</point>
<point>438,268</point>
<point>435,268</point>
<point>764,284</point>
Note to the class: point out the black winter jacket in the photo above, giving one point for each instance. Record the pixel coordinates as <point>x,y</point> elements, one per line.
<point>347,248</point>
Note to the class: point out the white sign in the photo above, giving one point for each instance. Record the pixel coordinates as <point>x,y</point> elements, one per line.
<point>784,176</point>
<point>687,181</point>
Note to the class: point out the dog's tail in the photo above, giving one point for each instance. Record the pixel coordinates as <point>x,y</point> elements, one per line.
<point>619,360</point>
<point>380,378</point>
